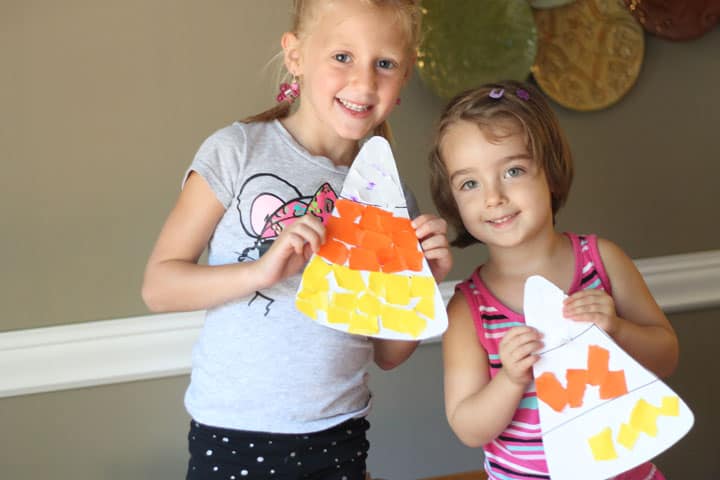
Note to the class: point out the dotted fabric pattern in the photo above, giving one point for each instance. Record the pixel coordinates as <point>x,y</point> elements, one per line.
<point>338,453</point>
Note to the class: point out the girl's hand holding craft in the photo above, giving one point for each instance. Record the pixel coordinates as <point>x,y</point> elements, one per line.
<point>291,249</point>
<point>517,353</point>
<point>593,305</point>
<point>431,230</point>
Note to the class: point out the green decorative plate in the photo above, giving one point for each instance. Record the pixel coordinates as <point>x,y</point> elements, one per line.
<point>549,3</point>
<point>469,42</point>
<point>589,53</point>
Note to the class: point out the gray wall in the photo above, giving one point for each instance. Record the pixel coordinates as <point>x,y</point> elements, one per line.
<point>103,106</point>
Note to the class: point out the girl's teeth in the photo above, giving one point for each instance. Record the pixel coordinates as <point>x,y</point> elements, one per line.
<point>353,106</point>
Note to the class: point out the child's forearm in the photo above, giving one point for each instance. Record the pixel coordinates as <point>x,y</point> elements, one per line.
<point>179,285</point>
<point>388,354</point>
<point>483,416</point>
<point>654,346</point>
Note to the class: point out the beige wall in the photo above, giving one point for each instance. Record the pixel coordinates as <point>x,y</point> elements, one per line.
<point>103,107</point>
<point>103,104</point>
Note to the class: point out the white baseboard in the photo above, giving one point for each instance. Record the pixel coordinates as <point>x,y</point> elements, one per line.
<point>157,346</point>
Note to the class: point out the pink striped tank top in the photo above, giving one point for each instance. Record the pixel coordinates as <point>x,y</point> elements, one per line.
<point>517,453</point>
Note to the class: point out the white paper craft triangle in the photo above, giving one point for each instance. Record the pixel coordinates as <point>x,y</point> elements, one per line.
<point>624,417</point>
<point>370,276</point>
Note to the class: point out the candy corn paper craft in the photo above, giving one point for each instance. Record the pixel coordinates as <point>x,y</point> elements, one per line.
<point>370,276</point>
<point>601,412</point>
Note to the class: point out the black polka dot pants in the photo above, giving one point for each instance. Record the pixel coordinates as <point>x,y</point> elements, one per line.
<point>338,453</point>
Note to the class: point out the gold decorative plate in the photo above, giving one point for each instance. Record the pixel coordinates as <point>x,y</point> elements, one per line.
<point>469,42</point>
<point>676,20</point>
<point>589,53</point>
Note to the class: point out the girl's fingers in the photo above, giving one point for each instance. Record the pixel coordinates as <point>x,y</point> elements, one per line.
<point>311,232</point>
<point>429,225</point>
<point>523,340</point>
<point>434,242</point>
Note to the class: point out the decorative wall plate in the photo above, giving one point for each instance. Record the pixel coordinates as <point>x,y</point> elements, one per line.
<point>549,3</point>
<point>589,53</point>
<point>467,43</point>
<point>676,20</point>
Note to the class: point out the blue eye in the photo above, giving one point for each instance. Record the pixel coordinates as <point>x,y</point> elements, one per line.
<point>468,185</point>
<point>342,57</point>
<point>514,172</point>
<point>386,64</point>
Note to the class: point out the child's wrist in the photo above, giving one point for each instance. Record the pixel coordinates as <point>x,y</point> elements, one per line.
<point>254,274</point>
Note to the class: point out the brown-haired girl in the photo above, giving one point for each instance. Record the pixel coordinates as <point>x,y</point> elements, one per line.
<point>500,171</point>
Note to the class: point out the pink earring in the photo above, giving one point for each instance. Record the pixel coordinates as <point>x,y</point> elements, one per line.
<point>289,91</point>
<point>397,102</point>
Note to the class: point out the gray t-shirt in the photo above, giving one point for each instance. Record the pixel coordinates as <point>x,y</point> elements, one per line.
<point>259,364</point>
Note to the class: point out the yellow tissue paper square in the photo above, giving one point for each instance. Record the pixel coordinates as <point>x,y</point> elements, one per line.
<point>348,279</point>
<point>426,306</point>
<point>306,307</point>
<point>627,436</point>
<point>397,290</point>
<point>602,445</point>
<point>314,276</point>
<point>319,265</point>
<point>422,286</point>
<point>363,324</point>
<point>376,283</point>
<point>369,303</point>
<point>337,314</point>
<point>319,300</point>
<point>402,321</point>
<point>644,417</point>
<point>670,406</point>
<point>348,301</point>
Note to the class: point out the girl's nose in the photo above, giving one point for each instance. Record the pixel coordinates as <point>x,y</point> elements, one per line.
<point>364,77</point>
<point>494,196</point>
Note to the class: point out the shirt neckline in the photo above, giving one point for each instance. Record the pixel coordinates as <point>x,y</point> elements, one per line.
<point>295,145</point>
<point>509,312</point>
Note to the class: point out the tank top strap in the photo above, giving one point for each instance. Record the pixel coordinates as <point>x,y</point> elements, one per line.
<point>590,270</point>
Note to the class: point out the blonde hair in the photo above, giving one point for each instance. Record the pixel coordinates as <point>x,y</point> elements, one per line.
<point>522,104</point>
<point>408,13</point>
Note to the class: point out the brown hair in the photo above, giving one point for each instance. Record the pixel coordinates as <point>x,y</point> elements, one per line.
<point>409,15</point>
<point>522,104</point>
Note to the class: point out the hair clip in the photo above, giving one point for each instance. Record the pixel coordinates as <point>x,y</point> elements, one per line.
<point>522,94</point>
<point>289,91</point>
<point>496,93</point>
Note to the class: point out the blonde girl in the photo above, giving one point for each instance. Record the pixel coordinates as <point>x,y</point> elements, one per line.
<point>273,394</point>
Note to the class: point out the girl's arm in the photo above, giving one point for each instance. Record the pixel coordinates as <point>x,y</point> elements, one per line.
<point>478,409</point>
<point>175,282</point>
<point>388,354</point>
<point>431,231</point>
<point>631,316</point>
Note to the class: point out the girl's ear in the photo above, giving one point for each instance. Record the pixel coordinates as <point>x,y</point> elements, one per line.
<point>291,53</point>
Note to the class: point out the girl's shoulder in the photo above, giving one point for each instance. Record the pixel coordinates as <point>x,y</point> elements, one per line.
<point>614,258</point>
<point>235,133</point>
<point>240,133</point>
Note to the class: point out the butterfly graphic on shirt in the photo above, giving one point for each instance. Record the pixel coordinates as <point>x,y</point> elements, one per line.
<point>275,205</point>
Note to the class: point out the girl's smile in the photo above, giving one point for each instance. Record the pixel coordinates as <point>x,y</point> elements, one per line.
<point>354,107</point>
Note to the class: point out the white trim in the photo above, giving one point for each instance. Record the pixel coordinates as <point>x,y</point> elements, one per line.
<point>157,346</point>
